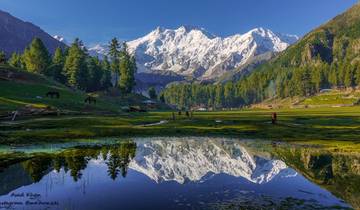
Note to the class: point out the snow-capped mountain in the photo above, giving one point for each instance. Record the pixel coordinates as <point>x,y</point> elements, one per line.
<point>192,51</point>
<point>61,39</point>
<point>192,160</point>
<point>98,50</point>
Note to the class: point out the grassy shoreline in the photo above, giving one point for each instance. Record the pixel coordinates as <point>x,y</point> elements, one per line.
<point>341,124</point>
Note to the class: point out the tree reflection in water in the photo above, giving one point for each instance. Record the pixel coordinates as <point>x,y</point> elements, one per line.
<point>334,170</point>
<point>75,160</point>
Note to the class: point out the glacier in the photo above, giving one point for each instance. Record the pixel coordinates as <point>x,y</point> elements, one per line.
<point>193,52</point>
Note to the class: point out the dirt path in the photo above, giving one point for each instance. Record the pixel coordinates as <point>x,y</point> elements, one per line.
<point>154,124</point>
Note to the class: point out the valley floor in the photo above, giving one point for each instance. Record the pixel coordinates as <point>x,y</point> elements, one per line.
<point>339,124</point>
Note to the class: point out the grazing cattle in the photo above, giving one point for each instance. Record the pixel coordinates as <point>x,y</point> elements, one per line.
<point>90,100</point>
<point>53,94</point>
<point>273,118</point>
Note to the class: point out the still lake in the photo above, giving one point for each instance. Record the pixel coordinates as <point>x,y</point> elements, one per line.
<point>178,173</point>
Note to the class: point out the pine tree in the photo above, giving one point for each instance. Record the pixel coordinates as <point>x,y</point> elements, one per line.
<point>219,97</point>
<point>229,94</point>
<point>114,54</point>
<point>349,76</point>
<point>341,71</point>
<point>162,98</point>
<point>357,74</point>
<point>106,75</point>
<point>94,74</point>
<point>306,82</point>
<point>152,93</point>
<point>75,66</point>
<point>37,57</point>
<point>59,57</point>
<point>15,60</point>
<point>2,57</point>
<point>333,76</point>
<point>133,71</point>
<point>56,69</point>
<point>317,78</point>
<point>127,71</point>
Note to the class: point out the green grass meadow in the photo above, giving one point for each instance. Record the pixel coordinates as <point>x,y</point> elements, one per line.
<point>105,119</point>
<point>317,124</point>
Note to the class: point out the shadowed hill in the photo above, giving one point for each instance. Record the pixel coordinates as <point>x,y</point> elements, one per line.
<point>16,35</point>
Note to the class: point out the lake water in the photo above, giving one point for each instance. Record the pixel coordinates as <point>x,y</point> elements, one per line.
<point>178,173</point>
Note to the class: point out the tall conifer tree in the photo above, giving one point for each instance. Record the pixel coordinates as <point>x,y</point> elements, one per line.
<point>36,57</point>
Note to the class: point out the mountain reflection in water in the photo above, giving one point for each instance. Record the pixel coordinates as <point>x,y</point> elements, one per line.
<point>181,173</point>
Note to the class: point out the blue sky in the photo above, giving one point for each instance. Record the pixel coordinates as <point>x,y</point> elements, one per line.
<point>99,20</point>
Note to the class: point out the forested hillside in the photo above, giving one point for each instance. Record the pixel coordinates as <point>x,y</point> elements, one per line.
<point>75,68</point>
<point>327,57</point>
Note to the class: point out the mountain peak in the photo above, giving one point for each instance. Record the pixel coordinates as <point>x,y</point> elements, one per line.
<point>160,160</point>
<point>192,51</point>
<point>267,32</point>
<point>190,28</point>
<point>158,30</point>
<point>259,30</point>
<point>263,32</point>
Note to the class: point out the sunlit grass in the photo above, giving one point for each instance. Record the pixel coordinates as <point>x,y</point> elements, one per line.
<point>327,124</point>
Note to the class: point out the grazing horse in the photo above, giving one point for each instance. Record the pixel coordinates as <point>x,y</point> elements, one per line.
<point>273,118</point>
<point>53,94</point>
<point>187,114</point>
<point>90,100</point>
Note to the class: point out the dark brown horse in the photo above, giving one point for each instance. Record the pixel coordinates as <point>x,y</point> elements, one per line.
<point>53,94</point>
<point>273,118</point>
<point>90,100</point>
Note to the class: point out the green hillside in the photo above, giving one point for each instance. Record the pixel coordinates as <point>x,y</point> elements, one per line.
<point>327,57</point>
<point>22,90</point>
<point>328,98</point>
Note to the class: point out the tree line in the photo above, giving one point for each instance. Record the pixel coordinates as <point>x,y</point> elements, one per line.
<point>265,83</point>
<point>187,96</point>
<point>74,67</point>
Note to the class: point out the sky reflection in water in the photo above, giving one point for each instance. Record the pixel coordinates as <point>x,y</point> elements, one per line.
<point>163,173</point>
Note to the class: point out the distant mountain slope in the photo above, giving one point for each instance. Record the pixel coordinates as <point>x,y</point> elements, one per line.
<point>327,57</point>
<point>16,35</point>
<point>331,42</point>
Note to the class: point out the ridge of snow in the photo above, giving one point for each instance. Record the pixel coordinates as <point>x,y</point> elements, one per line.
<point>191,160</point>
<point>192,51</point>
<point>61,39</point>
